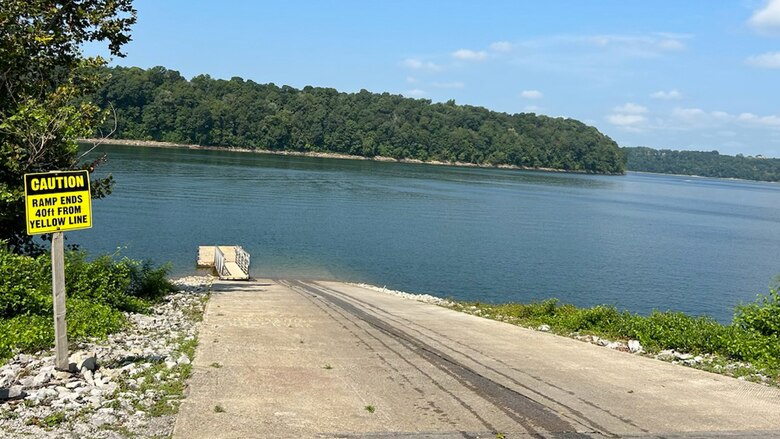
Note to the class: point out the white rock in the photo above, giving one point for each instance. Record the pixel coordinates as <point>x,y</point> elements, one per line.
<point>543,328</point>
<point>110,388</point>
<point>81,390</point>
<point>634,346</point>
<point>183,360</point>
<point>12,393</point>
<point>61,375</point>
<point>94,401</point>
<point>170,364</point>
<point>87,374</point>
<point>83,360</point>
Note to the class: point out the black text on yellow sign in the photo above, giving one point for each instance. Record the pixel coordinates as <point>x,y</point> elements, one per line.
<point>57,201</point>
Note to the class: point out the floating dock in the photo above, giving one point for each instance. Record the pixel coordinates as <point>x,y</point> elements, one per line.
<point>231,262</point>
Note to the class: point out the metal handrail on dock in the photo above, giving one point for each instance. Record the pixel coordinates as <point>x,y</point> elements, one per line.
<point>219,262</point>
<point>242,259</point>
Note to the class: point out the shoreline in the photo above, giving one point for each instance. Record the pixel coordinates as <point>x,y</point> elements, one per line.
<point>707,361</point>
<point>327,155</point>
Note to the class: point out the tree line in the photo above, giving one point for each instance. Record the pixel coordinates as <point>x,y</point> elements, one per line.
<point>703,163</point>
<point>159,104</point>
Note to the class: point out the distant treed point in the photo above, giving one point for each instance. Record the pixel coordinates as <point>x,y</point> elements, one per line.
<point>159,104</point>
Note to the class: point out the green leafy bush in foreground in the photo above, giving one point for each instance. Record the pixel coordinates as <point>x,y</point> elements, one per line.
<point>98,291</point>
<point>753,336</point>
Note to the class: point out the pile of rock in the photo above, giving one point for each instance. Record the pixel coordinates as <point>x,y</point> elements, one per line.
<point>109,389</point>
<point>426,298</point>
<point>633,346</point>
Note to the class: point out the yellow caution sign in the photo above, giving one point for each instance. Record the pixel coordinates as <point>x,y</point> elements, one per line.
<point>57,201</point>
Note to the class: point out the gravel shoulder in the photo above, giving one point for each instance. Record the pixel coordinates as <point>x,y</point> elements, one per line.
<point>128,385</point>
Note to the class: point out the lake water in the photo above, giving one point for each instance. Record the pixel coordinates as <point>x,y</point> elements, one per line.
<point>640,242</point>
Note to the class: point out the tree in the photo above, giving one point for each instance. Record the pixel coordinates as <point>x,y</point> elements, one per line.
<point>44,82</point>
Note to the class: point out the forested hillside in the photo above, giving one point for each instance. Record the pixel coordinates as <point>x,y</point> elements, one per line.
<point>159,104</point>
<point>706,164</point>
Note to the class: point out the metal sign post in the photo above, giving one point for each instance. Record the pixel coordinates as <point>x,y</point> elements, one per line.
<point>55,202</point>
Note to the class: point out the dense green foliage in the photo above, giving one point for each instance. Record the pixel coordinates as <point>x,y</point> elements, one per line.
<point>97,293</point>
<point>753,336</point>
<point>159,104</point>
<point>705,164</point>
<point>43,82</point>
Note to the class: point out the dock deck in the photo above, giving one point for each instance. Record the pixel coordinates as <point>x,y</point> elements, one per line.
<point>231,262</point>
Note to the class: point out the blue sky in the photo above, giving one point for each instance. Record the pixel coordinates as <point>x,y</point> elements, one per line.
<point>691,74</point>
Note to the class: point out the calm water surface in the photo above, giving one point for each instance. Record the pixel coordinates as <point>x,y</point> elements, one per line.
<point>640,242</point>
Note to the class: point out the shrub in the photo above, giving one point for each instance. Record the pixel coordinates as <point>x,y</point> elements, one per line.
<point>101,280</point>
<point>676,330</point>
<point>602,319</point>
<point>97,293</point>
<point>763,315</point>
<point>23,284</point>
<point>88,319</point>
<point>25,333</point>
<point>148,282</point>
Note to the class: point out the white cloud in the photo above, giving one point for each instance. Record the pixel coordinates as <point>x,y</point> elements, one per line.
<point>770,121</point>
<point>630,108</point>
<point>454,84</point>
<point>501,46</point>
<point>671,45</point>
<point>531,94</point>
<point>418,64</point>
<point>628,116</point>
<point>767,19</point>
<point>720,115</point>
<point>666,95</point>
<point>769,60</point>
<point>647,45</point>
<point>687,113</point>
<point>625,120</point>
<point>469,55</point>
<point>697,118</point>
<point>415,93</point>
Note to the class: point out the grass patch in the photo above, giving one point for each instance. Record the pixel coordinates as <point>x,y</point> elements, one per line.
<point>194,312</point>
<point>216,365</point>
<point>327,367</point>
<point>121,429</point>
<point>187,347</point>
<point>49,421</point>
<point>219,409</point>
<point>370,408</point>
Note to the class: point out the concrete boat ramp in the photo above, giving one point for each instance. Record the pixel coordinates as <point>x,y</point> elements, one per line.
<point>301,359</point>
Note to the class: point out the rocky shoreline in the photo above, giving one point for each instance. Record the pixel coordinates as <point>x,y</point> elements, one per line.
<point>329,155</point>
<point>128,385</point>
